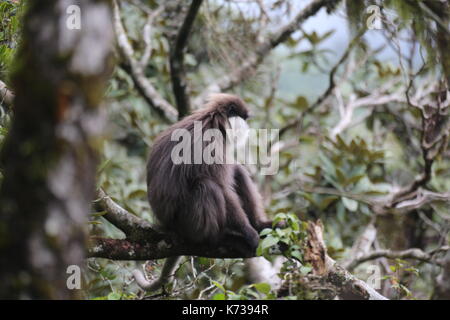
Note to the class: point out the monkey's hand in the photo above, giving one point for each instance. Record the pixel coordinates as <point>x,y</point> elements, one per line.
<point>245,243</point>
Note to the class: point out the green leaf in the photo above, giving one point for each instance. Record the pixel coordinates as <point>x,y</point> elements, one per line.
<point>219,296</point>
<point>305,269</point>
<point>262,287</point>
<point>218,285</point>
<point>350,204</point>
<point>94,223</point>
<point>268,242</point>
<point>114,296</point>
<point>99,214</point>
<point>265,232</point>
<point>354,179</point>
<point>297,254</point>
<point>139,193</point>
<point>327,201</point>
<point>301,103</point>
<point>234,296</point>
<point>340,176</point>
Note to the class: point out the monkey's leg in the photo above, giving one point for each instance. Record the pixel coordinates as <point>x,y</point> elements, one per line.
<point>251,199</point>
<point>203,216</point>
<point>238,224</point>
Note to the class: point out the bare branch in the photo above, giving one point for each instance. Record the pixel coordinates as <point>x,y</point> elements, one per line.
<point>144,86</point>
<point>121,218</point>
<point>413,253</point>
<point>435,135</point>
<point>422,198</point>
<point>166,246</point>
<point>376,98</point>
<point>362,245</point>
<point>331,84</point>
<point>6,95</point>
<point>263,49</point>
<point>177,72</point>
<point>147,37</point>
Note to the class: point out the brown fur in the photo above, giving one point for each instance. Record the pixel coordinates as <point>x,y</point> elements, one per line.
<point>204,203</point>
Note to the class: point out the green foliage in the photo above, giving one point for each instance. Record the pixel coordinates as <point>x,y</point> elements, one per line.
<point>10,15</point>
<point>399,270</point>
<point>260,291</point>
<point>415,15</point>
<point>291,236</point>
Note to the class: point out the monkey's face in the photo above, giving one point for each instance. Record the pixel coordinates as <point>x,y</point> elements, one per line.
<point>237,110</point>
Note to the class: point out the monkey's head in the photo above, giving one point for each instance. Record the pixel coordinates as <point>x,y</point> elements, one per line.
<point>227,105</point>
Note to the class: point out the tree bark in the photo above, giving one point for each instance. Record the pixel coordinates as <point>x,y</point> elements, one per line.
<point>49,157</point>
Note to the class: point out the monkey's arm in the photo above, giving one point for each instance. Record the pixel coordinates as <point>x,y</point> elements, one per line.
<point>250,198</point>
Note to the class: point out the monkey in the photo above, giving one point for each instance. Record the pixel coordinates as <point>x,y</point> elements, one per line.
<point>204,203</point>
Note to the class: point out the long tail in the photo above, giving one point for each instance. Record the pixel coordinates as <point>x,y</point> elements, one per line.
<point>167,275</point>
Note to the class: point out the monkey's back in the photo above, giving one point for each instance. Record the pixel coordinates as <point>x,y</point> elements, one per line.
<point>186,198</point>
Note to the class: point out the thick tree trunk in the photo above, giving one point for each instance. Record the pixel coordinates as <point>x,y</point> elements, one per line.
<point>49,158</point>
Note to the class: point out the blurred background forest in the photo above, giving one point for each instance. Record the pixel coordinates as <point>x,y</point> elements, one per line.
<point>358,90</point>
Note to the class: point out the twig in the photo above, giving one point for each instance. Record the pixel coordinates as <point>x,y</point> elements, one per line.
<point>413,253</point>
<point>177,72</point>
<point>147,37</point>
<point>362,245</point>
<point>6,95</point>
<point>144,86</point>
<point>263,49</point>
<point>331,84</point>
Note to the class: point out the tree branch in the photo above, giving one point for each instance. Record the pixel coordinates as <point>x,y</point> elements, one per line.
<point>263,49</point>
<point>331,84</point>
<point>6,95</point>
<point>143,84</point>
<point>361,245</point>
<point>177,72</point>
<point>347,285</point>
<point>144,242</point>
<point>413,253</point>
<point>130,224</point>
<point>435,134</point>
<point>166,246</point>
<point>150,245</point>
